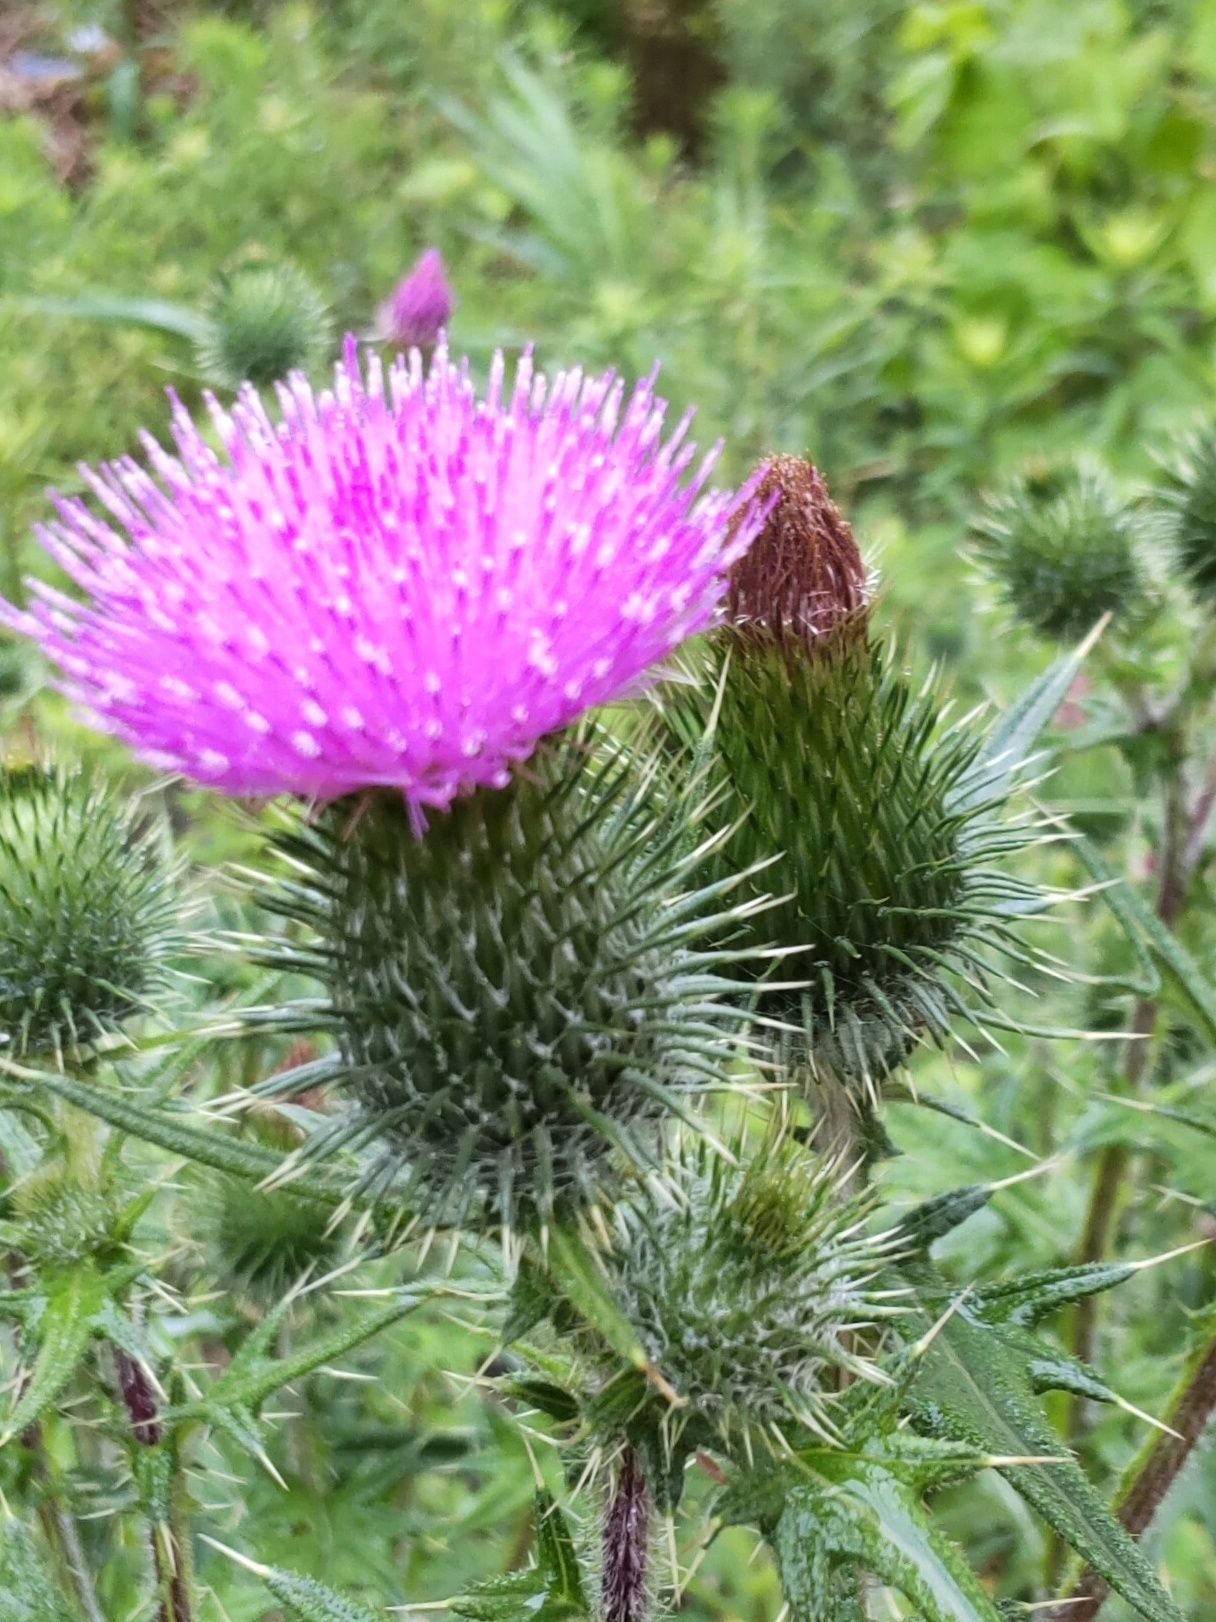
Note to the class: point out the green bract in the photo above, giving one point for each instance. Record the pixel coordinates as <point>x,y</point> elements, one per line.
<point>264,321</point>
<point>517,992</point>
<point>87,913</point>
<point>1062,549</point>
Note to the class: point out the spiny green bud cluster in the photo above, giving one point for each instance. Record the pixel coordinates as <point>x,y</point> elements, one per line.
<point>264,320</point>
<point>87,912</point>
<point>56,1218</point>
<point>1063,549</point>
<point>750,1286</point>
<point>515,995</point>
<point>824,761</point>
<point>1190,492</point>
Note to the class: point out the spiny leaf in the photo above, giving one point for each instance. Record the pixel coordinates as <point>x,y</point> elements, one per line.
<point>867,1511</point>
<point>62,1333</point>
<point>975,1382</point>
<point>1148,935</point>
<point>550,1591</point>
<point>303,1597</point>
<point>557,1555</point>
<point>1020,727</point>
<point>933,1219</point>
<point>168,1130</point>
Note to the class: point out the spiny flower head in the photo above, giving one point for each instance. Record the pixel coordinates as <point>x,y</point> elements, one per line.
<point>750,1283</point>
<point>396,582</point>
<point>420,307</point>
<point>518,1000</point>
<point>1062,549</point>
<point>88,912</point>
<point>264,321</point>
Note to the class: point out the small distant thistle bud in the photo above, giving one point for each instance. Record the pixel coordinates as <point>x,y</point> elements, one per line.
<point>87,913</point>
<point>420,308</point>
<point>1190,492</point>
<point>803,576</point>
<point>751,1286</point>
<point>1062,549</point>
<point>139,1398</point>
<point>261,1242</point>
<point>516,994</point>
<point>265,320</point>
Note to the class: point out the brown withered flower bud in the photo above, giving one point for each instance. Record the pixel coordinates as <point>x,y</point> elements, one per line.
<point>803,575</point>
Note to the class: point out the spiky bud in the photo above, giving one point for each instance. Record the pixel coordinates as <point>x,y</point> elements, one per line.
<point>751,1286</point>
<point>1062,548</point>
<point>58,1218</point>
<point>516,992</point>
<point>421,305</point>
<point>1190,491</point>
<point>264,320</point>
<point>261,1242</point>
<point>822,760</point>
<point>87,912</point>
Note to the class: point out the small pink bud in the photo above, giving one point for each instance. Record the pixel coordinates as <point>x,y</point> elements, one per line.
<point>421,307</point>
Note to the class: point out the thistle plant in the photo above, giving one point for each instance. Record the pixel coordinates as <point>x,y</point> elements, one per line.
<point>531,948</point>
<point>1189,489</point>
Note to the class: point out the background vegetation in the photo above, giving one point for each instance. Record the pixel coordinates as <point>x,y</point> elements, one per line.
<point>926,244</point>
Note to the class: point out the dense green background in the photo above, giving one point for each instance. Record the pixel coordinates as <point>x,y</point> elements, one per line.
<point>924,244</point>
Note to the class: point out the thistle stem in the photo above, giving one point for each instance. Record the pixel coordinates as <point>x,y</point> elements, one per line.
<point>626,1543</point>
<point>1154,1472</point>
<point>167,1540</point>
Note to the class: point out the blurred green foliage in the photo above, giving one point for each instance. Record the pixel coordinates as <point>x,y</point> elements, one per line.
<point>928,244</point>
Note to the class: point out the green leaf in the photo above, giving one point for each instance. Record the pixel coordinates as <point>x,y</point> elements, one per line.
<point>1152,940</point>
<point>550,1591</point>
<point>159,314</point>
<point>303,1597</point>
<point>60,1335</point>
<point>866,1510</point>
<point>1020,727</point>
<point>976,1381</point>
<point>27,1587</point>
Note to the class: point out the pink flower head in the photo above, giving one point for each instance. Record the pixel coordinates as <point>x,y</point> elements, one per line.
<point>422,305</point>
<point>392,582</point>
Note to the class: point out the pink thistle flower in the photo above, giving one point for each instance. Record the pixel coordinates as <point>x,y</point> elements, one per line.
<point>394,582</point>
<point>421,307</point>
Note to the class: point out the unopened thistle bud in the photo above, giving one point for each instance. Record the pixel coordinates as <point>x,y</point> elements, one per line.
<point>87,913</point>
<point>420,307</point>
<point>825,760</point>
<point>1190,492</point>
<point>1062,549</point>
<point>58,1218</point>
<point>751,1287</point>
<point>264,321</point>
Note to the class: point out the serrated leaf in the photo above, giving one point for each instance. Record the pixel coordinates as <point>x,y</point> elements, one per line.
<point>1027,1300</point>
<point>1152,941</point>
<point>976,1382</point>
<point>1021,725</point>
<point>550,1591</point>
<point>168,1130</point>
<point>303,1597</point>
<point>867,1511</point>
<point>558,1557</point>
<point>933,1219</point>
<point>60,1335</point>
